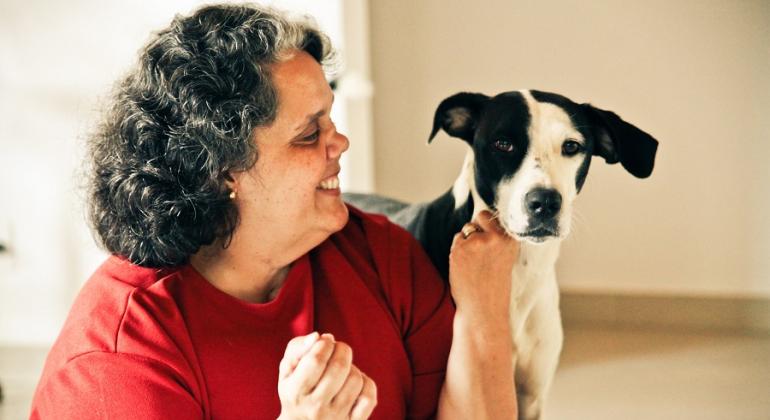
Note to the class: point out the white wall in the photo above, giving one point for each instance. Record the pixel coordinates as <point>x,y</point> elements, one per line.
<point>695,74</point>
<point>56,60</point>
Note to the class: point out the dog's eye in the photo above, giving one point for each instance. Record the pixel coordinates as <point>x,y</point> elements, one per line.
<point>571,148</point>
<point>504,146</point>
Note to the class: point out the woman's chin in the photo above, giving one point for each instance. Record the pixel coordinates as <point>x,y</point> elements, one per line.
<point>341,216</point>
<point>333,213</point>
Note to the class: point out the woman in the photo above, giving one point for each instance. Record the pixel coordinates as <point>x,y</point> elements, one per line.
<point>240,285</point>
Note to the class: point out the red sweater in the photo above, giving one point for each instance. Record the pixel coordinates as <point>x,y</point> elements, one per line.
<point>165,344</point>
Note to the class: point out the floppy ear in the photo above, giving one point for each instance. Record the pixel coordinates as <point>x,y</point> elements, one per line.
<point>619,141</point>
<point>458,115</point>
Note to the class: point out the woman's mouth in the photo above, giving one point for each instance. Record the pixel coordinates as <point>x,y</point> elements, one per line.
<point>331,183</point>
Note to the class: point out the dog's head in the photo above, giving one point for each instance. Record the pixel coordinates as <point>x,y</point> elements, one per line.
<point>532,150</point>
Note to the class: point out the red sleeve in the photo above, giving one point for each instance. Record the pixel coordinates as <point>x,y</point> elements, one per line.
<point>429,337</point>
<point>102,385</point>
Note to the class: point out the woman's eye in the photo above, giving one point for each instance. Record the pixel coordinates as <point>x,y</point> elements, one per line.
<point>571,148</point>
<point>312,137</point>
<point>504,146</point>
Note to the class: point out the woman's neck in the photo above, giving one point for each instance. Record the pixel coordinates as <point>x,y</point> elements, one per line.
<point>249,277</point>
<point>253,265</point>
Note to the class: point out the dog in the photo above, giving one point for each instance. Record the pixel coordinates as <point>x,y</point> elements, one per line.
<point>528,158</point>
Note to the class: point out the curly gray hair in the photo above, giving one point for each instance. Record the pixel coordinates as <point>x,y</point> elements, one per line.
<point>179,121</point>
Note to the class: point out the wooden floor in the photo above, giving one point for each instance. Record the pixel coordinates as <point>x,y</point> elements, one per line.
<point>604,374</point>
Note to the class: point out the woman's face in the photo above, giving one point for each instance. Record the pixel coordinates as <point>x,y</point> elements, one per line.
<point>291,196</point>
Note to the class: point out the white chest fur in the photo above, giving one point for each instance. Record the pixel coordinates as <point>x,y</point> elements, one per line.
<point>536,324</point>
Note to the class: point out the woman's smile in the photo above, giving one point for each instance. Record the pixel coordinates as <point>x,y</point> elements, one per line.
<point>330,185</point>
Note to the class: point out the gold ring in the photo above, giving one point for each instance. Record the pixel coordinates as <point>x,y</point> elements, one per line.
<point>469,229</point>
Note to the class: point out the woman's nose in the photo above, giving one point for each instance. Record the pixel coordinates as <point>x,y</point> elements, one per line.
<point>338,144</point>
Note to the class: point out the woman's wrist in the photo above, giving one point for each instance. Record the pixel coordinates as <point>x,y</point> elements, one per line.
<point>485,319</point>
<point>484,329</point>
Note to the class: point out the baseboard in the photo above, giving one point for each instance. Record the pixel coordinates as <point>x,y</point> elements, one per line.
<point>733,315</point>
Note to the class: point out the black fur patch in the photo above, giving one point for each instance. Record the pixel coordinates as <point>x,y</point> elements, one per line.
<point>506,117</point>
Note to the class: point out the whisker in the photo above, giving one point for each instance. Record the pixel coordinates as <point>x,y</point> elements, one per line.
<point>579,223</point>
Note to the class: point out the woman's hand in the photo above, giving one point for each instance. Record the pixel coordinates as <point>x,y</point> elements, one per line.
<point>479,380</point>
<point>317,380</point>
<point>480,269</point>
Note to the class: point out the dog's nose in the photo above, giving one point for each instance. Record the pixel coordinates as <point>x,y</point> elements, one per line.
<point>543,203</point>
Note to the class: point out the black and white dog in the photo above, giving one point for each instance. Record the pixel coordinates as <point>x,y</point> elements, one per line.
<point>528,159</point>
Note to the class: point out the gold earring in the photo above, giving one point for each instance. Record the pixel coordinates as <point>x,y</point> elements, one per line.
<point>233,195</point>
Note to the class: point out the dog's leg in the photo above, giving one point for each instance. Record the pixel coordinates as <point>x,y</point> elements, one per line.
<point>532,391</point>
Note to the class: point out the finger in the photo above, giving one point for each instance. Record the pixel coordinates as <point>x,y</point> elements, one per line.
<point>491,223</point>
<point>457,238</point>
<point>487,222</point>
<point>350,390</point>
<point>469,229</point>
<point>312,365</point>
<point>337,371</point>
<point>366,401</point>
<point>295,349</point>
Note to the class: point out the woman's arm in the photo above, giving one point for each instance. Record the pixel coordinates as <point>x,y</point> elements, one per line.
<point>479,380</point>
<point>479,377</point>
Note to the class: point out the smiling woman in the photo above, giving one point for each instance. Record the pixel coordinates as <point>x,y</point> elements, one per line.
<point>240,284</point>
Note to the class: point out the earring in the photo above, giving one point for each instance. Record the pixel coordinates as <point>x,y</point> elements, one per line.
<point>233,195</point>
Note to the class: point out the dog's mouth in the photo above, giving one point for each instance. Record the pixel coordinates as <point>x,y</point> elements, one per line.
<point>540,234</point>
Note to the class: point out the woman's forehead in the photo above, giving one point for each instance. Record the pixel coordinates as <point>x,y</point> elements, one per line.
<point>301,86</point>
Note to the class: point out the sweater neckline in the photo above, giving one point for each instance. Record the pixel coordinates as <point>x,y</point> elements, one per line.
<point>292,293</point>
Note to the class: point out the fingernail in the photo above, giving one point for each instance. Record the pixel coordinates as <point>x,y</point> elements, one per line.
<point>329,336</point>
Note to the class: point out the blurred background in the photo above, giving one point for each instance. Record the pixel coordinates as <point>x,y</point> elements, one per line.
<point>665,281</point>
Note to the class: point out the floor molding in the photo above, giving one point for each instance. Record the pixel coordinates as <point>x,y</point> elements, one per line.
<point>737,315</point>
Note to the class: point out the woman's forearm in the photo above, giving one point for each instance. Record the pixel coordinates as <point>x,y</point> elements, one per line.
<point>479,378</point>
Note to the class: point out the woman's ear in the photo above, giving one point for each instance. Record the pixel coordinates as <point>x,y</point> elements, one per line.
<point>619,141</point>
<point>230,183</point>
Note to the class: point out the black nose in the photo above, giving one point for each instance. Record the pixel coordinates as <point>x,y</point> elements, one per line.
<point>543,203</point>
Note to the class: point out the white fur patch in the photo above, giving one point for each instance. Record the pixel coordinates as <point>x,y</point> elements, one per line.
<point>465,183</point>
<point>462,185</point>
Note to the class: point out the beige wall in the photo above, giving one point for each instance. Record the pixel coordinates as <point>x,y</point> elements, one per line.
<point>695,74</point>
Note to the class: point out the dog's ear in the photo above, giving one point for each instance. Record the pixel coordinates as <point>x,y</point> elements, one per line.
<point>458,115</point>
<point>619,141</point>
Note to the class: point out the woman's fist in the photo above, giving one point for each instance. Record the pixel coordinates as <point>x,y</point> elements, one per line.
<point>318,380</point>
